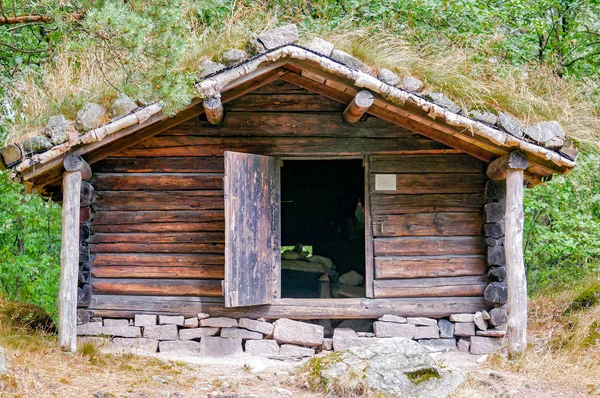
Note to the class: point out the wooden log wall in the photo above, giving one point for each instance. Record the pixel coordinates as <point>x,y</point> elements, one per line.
<point>157,221</point>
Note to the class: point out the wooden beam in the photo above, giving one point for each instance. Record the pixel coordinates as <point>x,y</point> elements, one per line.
<point>359,105</point>
<point>213,108</point>
<point>69,256</point>
<point>74,163</point>
<point>513,247</point>
<point>498,169</point>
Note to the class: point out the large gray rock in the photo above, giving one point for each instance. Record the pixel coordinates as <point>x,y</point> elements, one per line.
<point>439,345</point>
<point>161,332</point>
<point>484,116</point>
<point>210,67</point>
<point>350,61</point>
<point>392,367</point>
<point>180,347</point>
<point>446,328</point>
<point>265,348</point>
<point>321,46</point>
<point>144,320</point>
<point>89,117</point>
<point>219,322</point>
<point>295,351</point>
<point>233,56</point>
<point>197,333</point>
<point>37,144</point>
<point>122,106</point>
<point>443,101</point>
<point>351,278</point>
<point>510,124</point>
<point>237,333</point>
<point>265,328</point>
<point>392,329</point>
<point>220,347</point>
<point>58,129</point>
<point>131,346</point>
<point>412,84</point>
<point>278,37</point>
<point>171,320</point>
<point>548,134</point>
<point>300,333</point>
<point>4,368</point>
<point>389,77</point>
<point>485,345</point>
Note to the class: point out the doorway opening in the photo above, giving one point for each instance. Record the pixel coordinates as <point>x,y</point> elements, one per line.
<point>322,228</point>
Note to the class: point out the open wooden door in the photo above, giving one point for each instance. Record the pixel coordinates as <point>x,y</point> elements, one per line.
<point>252,255</point>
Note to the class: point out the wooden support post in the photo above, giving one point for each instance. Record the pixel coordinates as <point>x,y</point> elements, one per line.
<point>511,168</point>
<point>213,108</point>
<point>359,105</point>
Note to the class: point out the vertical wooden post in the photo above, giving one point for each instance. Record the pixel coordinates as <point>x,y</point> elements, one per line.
<point>511,167</point>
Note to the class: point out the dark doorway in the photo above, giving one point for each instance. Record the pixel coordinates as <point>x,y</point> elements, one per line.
<point>322,208</point>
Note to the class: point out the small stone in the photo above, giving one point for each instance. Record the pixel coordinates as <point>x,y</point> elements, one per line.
<point>294,351</point>
<point>278,37</point>
<point>389,77</point>
<point>159,379</point>
<point>219,322</point>
<point>439,345</point>
<point>38,144</point>
<point>443,101</point>
<point>421,321</point>
<point>351,278</point>
<point>131,346</point>
<point>4,368</point>
<point>446,328</point>
<point>171,320</point>
<point>484,116</point>
<point>265,328</point>
<point>89,117</point>
<point>426,332</point>
<point>203,315</point>
<point>58,129</point>
<point>180,347</point>
<point>190,322</point>
<point>463,344</point>
<point>116,322</point>
<point>210,67</point>
<point>510,124</point>
<point>327,344</point>
<point>122,106</point>
<point>321,46</point>
<point>265,348</point>
<point>464,329</point>
<point>237,333</point>
<point>393,318</point>
<point>548,134</point>
<point>350,61</point>
<point>220,347</point>
<point>412,84</point>
<point>485,345</point>
<point>197,333</point>
<point>161,332</point>
<point>491,333</point>
<point>461,317</point>
<point>233,56</point>
<point>485,315</point>
<point>144,320</point>
<point>498,316</point>
<point>283,391</point>
<point>390,329</point>
<point>294,332</point>
<point>479,321</point>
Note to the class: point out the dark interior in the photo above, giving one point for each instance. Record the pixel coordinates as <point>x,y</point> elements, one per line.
<point>322,205</point>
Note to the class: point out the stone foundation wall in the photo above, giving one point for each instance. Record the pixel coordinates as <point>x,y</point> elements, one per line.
<point>479,333</point>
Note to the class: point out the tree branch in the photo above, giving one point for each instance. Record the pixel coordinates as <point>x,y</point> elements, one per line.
<point>21,50</point>
<point>25,19</point>
<point>570,63</point>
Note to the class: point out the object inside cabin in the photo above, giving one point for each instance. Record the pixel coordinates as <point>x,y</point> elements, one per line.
<point>322,228</point>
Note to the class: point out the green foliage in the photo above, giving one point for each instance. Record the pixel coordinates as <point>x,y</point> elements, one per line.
<point>562,226</point>
<point>29,247</point>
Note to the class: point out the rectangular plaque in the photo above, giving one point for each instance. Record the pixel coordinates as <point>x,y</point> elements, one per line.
<point>385,182</point>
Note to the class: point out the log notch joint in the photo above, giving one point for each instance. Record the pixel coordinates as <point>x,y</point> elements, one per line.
<point>511,168</point>
<point>359,105</point>
<point>213,108</point>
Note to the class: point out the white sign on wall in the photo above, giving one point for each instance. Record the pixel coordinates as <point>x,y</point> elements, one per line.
<point>385,182</point>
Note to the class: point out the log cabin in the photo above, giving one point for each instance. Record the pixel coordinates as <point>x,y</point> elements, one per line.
<point>187,214</point>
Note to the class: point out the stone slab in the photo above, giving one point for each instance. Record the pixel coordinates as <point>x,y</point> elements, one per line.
<point>464,329</point>
<point>237,333</point>
<point>446,328</point>
<point>122,331</point>
<point>265,348</point>
<point>295,351</point>
<point>220,347</point>
<point>131,346</point>
<point>115,322</point>
<point>197,333</point>
<point>287,331</point>
<point>191,322</point>
<point>393,318</point>
<point>420,321</point>
<point>161,332</point>
<point>171,320</point>
<point>426,332</point>
<point>391,329</point>
<point>144,320</point>
<point>485,345</point>
<point>461,317</point>
<point>265,328</point>
<point>439,345</point>
<point>180,347</point>
<point>219,322</point>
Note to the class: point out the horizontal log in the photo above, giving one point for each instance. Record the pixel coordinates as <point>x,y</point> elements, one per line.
<point>157,260</point>
<point>498,169</point>
<point>201,146</point>
<point>359,105</point>
<point>285,102</point>
<point>85,215</point>
<point>210,164</point>
<point>127,306</point>
<point>427,224</point>
<point>415,184</point>
<point>428,266</point>
<point>162,217</point>
<point>241,124</point>
<point>157,287</point>
<point>280,87</point>
<point>213,109</point>
<point>149,238</point>
<point>166,200</point>
<point>462,286</point>
<point>408,204</point>
<point>208,248</point>
<point>161,227</point>
<point>72,163</point>
<point>429,246</point>
<point>158,181</point>
<point>199,272</point>
<point>424,164</point>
